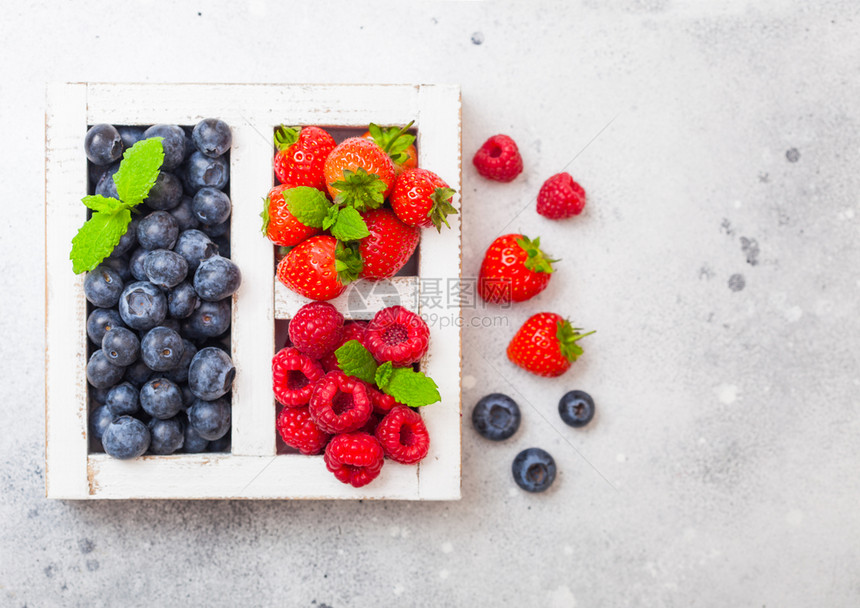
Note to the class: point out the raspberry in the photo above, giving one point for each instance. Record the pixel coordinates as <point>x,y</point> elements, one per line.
<point>371,424</point>
<point>352,330</point>
<point>499,159</point>
<point>354,458</point>
<point>382,402</point>
<point>340,403</point>
<point>294,376</point>
<point>560,197</point>
<point>395,334</point>
<point>403,436</point>
<point>316,329</point>
<point>299,431</point>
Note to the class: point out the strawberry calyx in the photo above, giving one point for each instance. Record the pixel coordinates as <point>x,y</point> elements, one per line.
<point>347,262</point>
<point>536,260</point>
<point>442,207</point>
<point>359,189</point>
<point>393,140</point>
<point>568,336</point>
<point>286,136</point>
<point>265,214</point>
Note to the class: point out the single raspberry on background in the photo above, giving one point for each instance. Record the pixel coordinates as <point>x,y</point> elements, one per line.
<point>382,402</point>
<point>560,197</point>
<point>352,330</point>
<point>354,458</point>
<point>398,335</point>
<point>316,329</point>
<point>298,431</point>
<point>293,377</point>
<point>340,403</point>
<point>403,436</point>
<point>499,159</point>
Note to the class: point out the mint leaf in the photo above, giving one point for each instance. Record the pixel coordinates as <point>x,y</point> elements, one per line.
<point>409,387</point>
<point>330,217</point>
<point>360,189</point>
<point>349,226</point>
<point>97,238</point>
<point>308,205</point>
<point>383,374</point>
<point>98,202</point>
<point>355,360</point>
<point>138,170</point>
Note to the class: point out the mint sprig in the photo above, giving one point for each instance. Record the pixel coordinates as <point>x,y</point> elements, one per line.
<point>355,360</point>
<point>312,208</point>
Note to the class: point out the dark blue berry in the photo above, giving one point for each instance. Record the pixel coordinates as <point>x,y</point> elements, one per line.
<point>211,206</point>
<point>202,171</point>
<point>179,374</point>
<point>165,268</point>
<point>101,373</point>
<point>216,278</point>
<point>182,300</point>
<point>103,144</point>
<point>172,324</point>
<point>211,374</point>
<point>167,436</point>
<point>95,172</point>
<point>102,320</point>
<point>161,398</point>
<point>100,419</point>
<point>223,244</point>
<point>211,319</point>
<point>576,408</point>
<point>127,240</point>
<point>211,419</point>
<point>220,445</point>
<point>106,186</point>
<point>130,135</point>
<point>138,373</point>
<point>195,246</point>
<point>183,215</point>
<point>136,262</point>
<point>126,438</point>
<point>496,417</point>
<point>166,193</point>
<point>103,286</point>
<point>194,443</point>
<point>189,141</point>
<point>123,400</point>
<point>212,137</point>
<point>158,230</point>
<point>161,349</point>
<point>216,230</point>
<point>534,470</point>
<point>121,346</point>
<point>187,396</point>
<point>142,305</point>
<point>98,395</point>
<point>173,142</point>
<point>119,264</point>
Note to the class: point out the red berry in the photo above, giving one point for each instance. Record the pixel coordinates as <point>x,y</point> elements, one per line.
<point>398,335</point>
<point>422,198</point>
<point>371,424</point>
<point>301,156</point>
<point>294,376</point>
<point>340,403</point>
<point>311,268</point>
<point>349,171</point>
<point>281,226</point>
<point>298,431</point>
<point>546,345</point>
<point>499,159</point>
<point>354,458</point>
<point>382,402</point>
<point>514,269</point>
<point>352,330</point>
<point>390,245</point>
<point>403,436</point>
<point>316,329</point>
<point>560,197</point>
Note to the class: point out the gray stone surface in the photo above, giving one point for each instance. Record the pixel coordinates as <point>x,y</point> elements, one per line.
<point>719,144</point>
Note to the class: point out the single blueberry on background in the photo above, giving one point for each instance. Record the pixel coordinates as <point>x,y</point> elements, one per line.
<point>101,373</point>
<point>103,286</point>
<point>576,408</point>
<point>217,278</point>
<point>209,320</point>
<point>158,230</point>
<point>142,305</point>
<point>103,144</point>
<point>167,435</point>
<point>534,470</point>
<point>173,143</point>
<point>182,300</point>
<point>211,419</point>
<point>126,438</point>
<point>166,193</point>
<point>195,246</point>
<point>161,349</point>
<point>102,320</point>
<point>211,206</point>
<point>121,346</point>
<point>165,268</point>
<point>496,417</point>
<point>161,398</point>
<point>212,137</point>
<point>202,171</point>
<point>100,419</point>
<point>210,375</point>
<point>123,400</point>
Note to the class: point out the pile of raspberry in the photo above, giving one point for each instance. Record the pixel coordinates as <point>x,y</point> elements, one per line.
<point>326,411</point>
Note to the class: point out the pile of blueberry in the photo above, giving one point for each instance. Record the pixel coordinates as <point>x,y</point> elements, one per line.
<point>159,371</point>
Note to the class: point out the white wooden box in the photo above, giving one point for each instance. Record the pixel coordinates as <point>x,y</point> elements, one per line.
<point>254,469</point>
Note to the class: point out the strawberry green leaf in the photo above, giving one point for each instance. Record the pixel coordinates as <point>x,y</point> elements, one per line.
<point>360,189</point>
<point>349,226</point>
<point>138,170</point>
<point>355,360</point>
<point>98,202</point>
<point>536,260</point>
<point>331,217</point>
<point>97,238</point>
<point>567,340</point>
<point>308,205</point>
<point>393,140</point>
<point>442,207</point>
<point>383,374</point>
<point>286,136</point>
<point>265,214</point>
<point>347,262</point>
<point>407,386</point>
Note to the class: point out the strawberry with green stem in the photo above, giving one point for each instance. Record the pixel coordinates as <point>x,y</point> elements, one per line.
<point>422,198</point>
<point>320,267</point>
<point>514,269</point>
<point>546,345</point>
<point>398,143</point>
<point>359,174</point>
<point>389,244</point>
<point>301,155</point>
<point>279,225</point>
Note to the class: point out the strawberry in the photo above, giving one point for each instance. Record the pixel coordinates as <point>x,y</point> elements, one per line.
<point>389,246</point>
<point>358,173</point>
<point>301,155</point>
<point>514,269</point>
<point>546,345</point>
<point>281,226</point>
<point>397,143</point>
<point>422,198</point>
<point>319,268</point>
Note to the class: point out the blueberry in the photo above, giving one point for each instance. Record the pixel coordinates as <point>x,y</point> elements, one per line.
<point>165,268</point>
<point>194,443</point>
<point>100,419</point>
<point>106,186</point>
<point>172,324</point>
<point>167,436</point>
<point>126,438</point>
<point>121,346</point>
<point>119,264</point>
<point>179,374</point>
<point>212,137</point>
<point>123,400</point>
<point>534,470</point>
<point>211,374</point>
<point>103,286</point>
<point>161,349</point>
<point>220,445</point>
<point>128,240</point>
<point>101,373</point>
<point>166,193</point>
<point>142,305</point>
<point>496,417</point>
<point>187,396</point>
<point>130,135</point>
<point>216,278</point>
<point>137,373</point>
<point>99,395</point>
<point>102,320</point>
<point>216,230</point>
<point>183,215</point>
<point>103,144</point>
<point>182,300</point>
<point>136,264</point>
<point>95,172</point>
<point>211,206</point>
<point>223,244</point>
<point>202,171</point>
<point>211,319</point>
<point>173,142</point>
<point>158,230</point>
<point>211,419</point>
<point>195,246</point>
<point>161,398</point>
<point>189,141</point>
<point>576,408</point>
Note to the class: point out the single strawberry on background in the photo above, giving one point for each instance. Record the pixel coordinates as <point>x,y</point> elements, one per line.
<point>514,269</point>
<point>546,345</point>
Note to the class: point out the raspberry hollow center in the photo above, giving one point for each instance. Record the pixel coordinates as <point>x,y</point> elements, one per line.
<point>342,403</point>
<point>407,437</point>
<point>496,151</point>
<point>395,334</point>
<point>296,379</point>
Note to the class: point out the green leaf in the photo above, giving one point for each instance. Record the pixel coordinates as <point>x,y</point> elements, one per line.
<point>393,140</point>
<point>98,202</point>
<point>355,360</point>
<point>265,214</point>
<point>97,238</point>
<point>331,217</point>
<point>286,136</point>
<point>347,262</point>
<point>308,205</point>
<point>138,170</point>
<point>408,386</point>
<point>383,374</point>
<point>536,260</point>
<point>442,207</point>
<point>349,226</point>
<point>567,340</point>
<point>360,189</point>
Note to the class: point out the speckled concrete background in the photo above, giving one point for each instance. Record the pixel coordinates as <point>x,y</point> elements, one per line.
<point>720,146</point>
